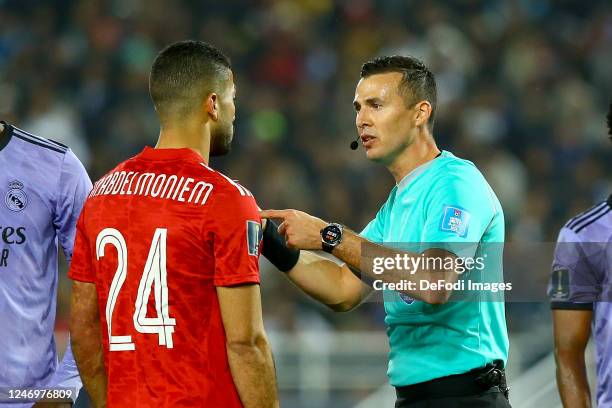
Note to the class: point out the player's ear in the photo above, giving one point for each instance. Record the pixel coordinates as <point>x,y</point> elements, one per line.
<point>211,106</point>
<point>422,113</point>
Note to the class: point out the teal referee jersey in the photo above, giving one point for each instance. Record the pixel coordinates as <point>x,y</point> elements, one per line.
<point>443,203</point>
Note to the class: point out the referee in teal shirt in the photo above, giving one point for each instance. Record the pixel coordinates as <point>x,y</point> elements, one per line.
<point>446,348</point>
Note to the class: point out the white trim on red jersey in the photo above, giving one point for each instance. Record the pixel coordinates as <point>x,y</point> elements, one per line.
<point>243,190</point>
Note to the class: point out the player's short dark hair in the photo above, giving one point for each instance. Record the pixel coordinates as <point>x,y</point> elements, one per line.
<point>609,117</point>
<point>183,74</point>
<point>418,82</point>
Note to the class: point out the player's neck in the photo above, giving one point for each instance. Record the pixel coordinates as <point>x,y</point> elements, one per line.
<point>421,151</point>
<point>188,135</point>
<point>2,129</point>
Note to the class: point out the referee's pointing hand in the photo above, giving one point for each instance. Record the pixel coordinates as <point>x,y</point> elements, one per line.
<point>301,230</point>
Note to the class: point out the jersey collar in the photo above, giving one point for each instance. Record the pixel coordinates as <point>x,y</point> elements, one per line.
<point>410,177</point>
<point>185,153</point>
<point>6,138</point>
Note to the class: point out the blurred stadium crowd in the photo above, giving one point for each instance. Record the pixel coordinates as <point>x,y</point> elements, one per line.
<point>523,89</point>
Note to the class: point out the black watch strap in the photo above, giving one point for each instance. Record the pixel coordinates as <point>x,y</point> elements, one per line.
<point>327,248</point>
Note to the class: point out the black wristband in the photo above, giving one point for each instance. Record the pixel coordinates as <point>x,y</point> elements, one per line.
<point>275,249</point>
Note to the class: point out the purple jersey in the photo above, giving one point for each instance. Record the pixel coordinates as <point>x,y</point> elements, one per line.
<point>42,189</point>
<point>582,280</point>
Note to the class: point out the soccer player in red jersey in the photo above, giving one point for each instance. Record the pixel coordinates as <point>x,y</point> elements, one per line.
<point>166,308</point>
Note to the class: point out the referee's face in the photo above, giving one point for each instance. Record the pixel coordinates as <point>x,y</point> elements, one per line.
<point>385,124</point>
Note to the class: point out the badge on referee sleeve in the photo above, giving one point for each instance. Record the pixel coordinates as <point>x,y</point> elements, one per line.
<point>455,220</point>
<point>254,236</point>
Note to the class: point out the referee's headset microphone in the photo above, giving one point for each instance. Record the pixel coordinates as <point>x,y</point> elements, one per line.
<point>355,143</point>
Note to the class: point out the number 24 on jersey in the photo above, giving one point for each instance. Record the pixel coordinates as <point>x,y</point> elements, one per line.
<point>153,277</point>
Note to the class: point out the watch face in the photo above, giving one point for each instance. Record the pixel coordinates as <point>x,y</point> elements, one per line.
<point>331,234</point>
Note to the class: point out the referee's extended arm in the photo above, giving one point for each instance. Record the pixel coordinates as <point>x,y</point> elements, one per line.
<point>321,278</point>
<point>335,285</point>
<point>329,283</point>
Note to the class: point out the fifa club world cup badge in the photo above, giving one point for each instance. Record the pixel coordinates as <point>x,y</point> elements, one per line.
<point>16,199</point>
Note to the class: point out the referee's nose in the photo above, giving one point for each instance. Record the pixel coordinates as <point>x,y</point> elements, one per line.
<point>363,118</point>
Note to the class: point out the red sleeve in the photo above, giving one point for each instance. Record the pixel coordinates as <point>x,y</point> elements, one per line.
<point>80,266</point>
<point>236,228</point>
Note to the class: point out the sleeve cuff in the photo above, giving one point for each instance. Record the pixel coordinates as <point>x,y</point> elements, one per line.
<point>571,306</point>
<point>81,278</point>
<point>237,280</point>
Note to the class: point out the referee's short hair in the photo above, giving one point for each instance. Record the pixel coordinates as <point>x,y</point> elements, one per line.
<point>418,82</point>
<point>183,74</point>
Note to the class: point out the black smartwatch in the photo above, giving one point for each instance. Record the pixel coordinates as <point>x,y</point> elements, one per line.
<point>331,236</point>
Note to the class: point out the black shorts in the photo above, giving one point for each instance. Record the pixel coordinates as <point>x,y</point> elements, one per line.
<point>490,399</point>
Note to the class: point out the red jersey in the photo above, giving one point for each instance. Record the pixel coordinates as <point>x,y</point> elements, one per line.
<point>156,236</point>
